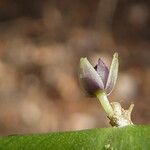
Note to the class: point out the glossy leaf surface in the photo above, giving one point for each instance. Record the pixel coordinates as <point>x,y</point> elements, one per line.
<point>131,138</point>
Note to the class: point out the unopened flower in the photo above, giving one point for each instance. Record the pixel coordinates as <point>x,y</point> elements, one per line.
<point>98,78</point>
<point>100,81</point>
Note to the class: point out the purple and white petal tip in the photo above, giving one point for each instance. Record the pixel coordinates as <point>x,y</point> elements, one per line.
<point>89,78</point>
<point>102,70</point>
<point>113,74</point>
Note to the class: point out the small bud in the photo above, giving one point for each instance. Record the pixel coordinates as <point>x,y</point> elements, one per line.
<point>98,78</point>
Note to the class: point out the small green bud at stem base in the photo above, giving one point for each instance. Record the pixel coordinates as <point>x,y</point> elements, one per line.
<point>102,97</point>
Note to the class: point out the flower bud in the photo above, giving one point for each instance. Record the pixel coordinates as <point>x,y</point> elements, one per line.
<point>98,78</point>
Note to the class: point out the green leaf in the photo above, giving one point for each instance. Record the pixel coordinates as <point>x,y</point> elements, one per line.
<point>125,138</point>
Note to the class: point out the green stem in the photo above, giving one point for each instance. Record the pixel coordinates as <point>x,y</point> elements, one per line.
<point>102,97</point>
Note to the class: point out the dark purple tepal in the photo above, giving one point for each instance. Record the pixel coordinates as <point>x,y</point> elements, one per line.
<point>98,78</point>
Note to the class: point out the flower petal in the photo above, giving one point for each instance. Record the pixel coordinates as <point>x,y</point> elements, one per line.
<point>102,70</point>
<point>89,78</point>
<point>113,73</point>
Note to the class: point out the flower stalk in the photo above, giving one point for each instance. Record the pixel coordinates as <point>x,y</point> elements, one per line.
<point>102,97</point>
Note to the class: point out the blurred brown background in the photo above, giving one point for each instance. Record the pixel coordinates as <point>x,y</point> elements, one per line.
<point>41,43</point>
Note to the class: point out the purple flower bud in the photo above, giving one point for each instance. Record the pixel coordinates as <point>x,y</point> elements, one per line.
<point>98,78</point>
